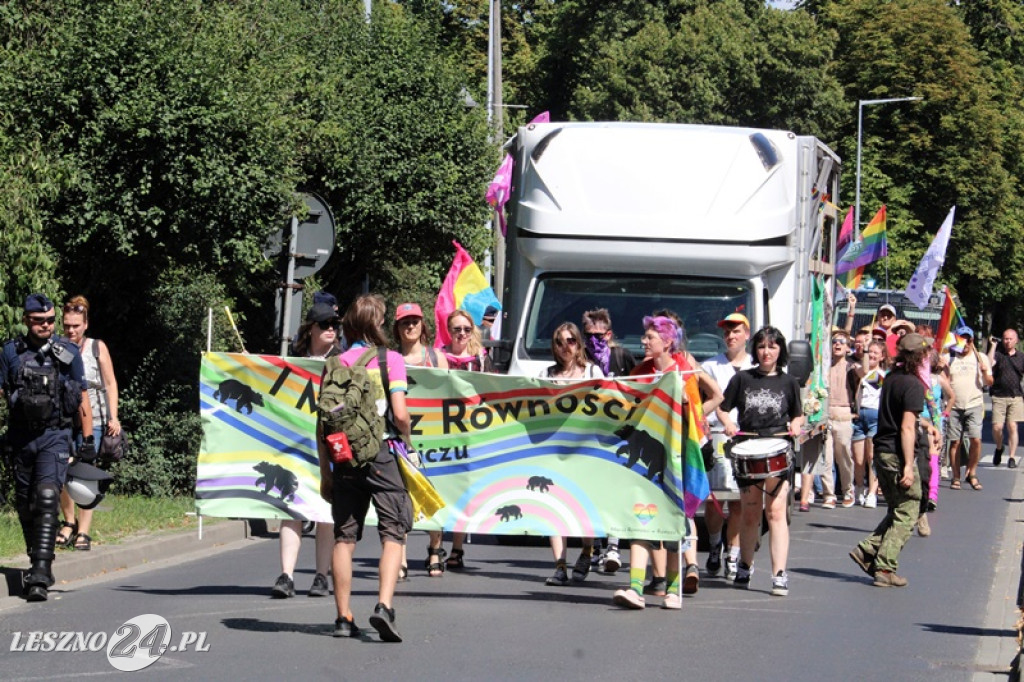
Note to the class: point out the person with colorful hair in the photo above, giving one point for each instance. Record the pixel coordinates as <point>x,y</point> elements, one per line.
<point>768,403</point>
<point>661,340</point>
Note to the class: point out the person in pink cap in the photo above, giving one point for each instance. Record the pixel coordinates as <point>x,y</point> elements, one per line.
<point>411,334</point>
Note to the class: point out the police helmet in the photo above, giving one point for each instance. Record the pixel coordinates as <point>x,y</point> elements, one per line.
<point>87,485</point>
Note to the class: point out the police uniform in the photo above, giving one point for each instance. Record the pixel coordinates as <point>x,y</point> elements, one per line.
<point>43,386</point>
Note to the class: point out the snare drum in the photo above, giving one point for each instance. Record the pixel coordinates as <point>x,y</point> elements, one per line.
<point>760,458</point>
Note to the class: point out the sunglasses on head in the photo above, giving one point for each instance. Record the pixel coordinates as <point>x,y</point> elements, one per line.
<point>74,308</point>
<point>42,320</point>
<point>461,330</point>
<point>565,342</point>
<point>328,324</point>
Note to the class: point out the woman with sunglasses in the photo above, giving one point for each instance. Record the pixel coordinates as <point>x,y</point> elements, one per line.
<point>571,363</point>
<point>464,352</point>
<point>317,338</point>
<point>413,337</point>
<point>103,395</point>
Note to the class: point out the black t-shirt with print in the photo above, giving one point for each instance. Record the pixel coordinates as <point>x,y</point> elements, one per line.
<point>901,392</point>
<point>766,402</point>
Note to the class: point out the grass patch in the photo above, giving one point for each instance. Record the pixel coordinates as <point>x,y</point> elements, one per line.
<point>117,517</point>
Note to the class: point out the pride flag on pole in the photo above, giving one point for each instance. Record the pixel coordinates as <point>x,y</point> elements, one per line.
<point>871,246</point>
<point>949,322</point>
<point>464,288</point>
<point>500,189</point>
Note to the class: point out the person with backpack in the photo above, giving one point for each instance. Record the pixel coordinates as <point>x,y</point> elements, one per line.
<point>413,338</point>
<point>317,337</point>
<point>103,394</point>
<point>363,427</point>
<point>43,380</point>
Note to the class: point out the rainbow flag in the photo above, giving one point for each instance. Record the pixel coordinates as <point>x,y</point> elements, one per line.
<point>696,487</point>
<point>949,322</point>
<point>464,288</point>
<point>869,247</point>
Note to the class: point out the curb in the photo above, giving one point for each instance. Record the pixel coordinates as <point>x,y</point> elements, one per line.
<point>129,553</point>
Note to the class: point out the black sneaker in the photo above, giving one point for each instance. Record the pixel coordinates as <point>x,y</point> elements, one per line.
<point>714,564</point>
<point>283,588</point>
<point>658,587</point>
<point>319,587</point>
<point>344,627</point>
<point>383,621</point>
<point>997,457</point>
<point>1012,464</point>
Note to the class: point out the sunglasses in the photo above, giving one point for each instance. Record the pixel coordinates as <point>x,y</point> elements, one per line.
<point>74,308</point>
<point>596,335</point>
<point>839,341</point>
<point>329,324</point>
<point>42,320</point>
<point>565,342</point>
<point>461,330</point>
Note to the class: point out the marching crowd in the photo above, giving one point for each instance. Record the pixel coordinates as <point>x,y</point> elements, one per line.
<point>901,411</point>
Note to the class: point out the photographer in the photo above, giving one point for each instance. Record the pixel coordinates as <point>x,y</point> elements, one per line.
<point>43,379</point>
<point>1007,398</point>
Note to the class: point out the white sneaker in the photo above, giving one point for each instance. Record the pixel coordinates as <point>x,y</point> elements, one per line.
<point>946,473</point>
<point>871,501</point>
<point>731,568</point>
<point>861,497</point>
<point>672,601</point>
<point>780,584</point>
<point>612,561</point>
<point>628,599</point>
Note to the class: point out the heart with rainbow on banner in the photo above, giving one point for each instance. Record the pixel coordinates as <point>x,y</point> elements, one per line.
<point>645,513</point>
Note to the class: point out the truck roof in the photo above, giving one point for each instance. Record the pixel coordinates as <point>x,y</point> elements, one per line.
<point>640,180</point>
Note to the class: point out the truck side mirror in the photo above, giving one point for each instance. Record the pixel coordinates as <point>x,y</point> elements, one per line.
<point>801,361</point>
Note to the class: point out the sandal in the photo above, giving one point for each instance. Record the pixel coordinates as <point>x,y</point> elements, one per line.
<point>455,560</point>
<point>973,482</point>
<point>435,569</point>
<point>83,543</point>
<point>955,485</point>
<point>67,541</point>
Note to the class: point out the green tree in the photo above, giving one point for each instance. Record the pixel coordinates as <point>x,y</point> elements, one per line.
<point>921,158</point>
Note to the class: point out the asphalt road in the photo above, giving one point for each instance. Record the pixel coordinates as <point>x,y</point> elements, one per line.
<point>498,621</point>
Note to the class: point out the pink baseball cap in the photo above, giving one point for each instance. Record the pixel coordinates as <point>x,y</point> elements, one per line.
<point>407,310</point>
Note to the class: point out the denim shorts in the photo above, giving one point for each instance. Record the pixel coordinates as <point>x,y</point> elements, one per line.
<point>865,425</point>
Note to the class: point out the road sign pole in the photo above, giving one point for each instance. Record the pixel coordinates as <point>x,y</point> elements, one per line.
<point>286,290</point>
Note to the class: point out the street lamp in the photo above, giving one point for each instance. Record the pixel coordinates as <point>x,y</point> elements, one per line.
<point>860,127</point>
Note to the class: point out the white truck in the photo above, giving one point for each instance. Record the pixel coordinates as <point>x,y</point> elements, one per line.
<point>634,217</point>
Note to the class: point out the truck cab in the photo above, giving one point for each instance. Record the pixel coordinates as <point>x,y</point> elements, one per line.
<point>635,217</point>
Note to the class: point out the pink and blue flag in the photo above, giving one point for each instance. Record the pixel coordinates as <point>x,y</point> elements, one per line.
<point>464,288</point>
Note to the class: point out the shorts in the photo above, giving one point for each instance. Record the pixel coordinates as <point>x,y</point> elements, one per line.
<point>721,476</point>
<point>965,422</point>
<point>381,483</point>
<point>1007,410</point>
<point>865,425</point>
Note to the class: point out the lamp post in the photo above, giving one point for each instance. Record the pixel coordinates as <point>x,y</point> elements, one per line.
<point>860,129</point>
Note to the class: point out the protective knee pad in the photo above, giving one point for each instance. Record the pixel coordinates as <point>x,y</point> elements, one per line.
<point>44,529</point>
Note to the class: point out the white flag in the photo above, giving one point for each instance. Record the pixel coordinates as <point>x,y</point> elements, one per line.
<point>919,290</point>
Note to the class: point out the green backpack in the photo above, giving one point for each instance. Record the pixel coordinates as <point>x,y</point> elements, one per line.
<point>348,403</point>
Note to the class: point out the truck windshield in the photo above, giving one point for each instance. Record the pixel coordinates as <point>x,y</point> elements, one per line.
<point>701,303</point>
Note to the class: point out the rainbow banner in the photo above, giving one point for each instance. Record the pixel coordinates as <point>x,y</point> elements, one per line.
<point>464,288</point>
<point>869,247</point>
<point>508,455</point>
<point>950,322</point>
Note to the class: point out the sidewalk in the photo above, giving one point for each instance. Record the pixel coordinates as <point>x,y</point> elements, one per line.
<point>223,535</point>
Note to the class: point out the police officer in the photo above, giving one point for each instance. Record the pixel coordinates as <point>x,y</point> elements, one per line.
<point>43,378</point>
